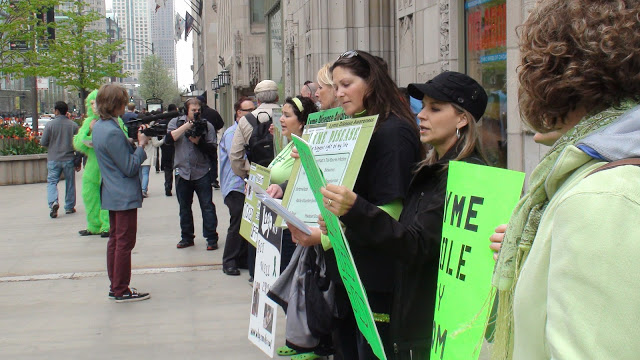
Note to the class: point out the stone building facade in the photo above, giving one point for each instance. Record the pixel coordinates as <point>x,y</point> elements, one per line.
<point>417,38</point>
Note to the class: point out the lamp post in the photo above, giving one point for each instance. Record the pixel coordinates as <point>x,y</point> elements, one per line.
<point>143,43</point>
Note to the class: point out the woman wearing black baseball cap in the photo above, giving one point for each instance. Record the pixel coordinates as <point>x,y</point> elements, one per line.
<point>452,104</point>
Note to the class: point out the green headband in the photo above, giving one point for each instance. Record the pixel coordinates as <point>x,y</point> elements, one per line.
<point>298,104</point>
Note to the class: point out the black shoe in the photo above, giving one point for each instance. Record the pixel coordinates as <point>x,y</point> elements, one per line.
<point>70,211</point>
<point>251,281</point>
<point>104,234</point>
<point>212,246</point>
<point>87,233</point>
<point>231,270</point>
<point>168,193</point>
<point>54,210</point>
<point>216,185</point>
<point>184,244</point>
<point>133,295</point>
<point>112,295</point>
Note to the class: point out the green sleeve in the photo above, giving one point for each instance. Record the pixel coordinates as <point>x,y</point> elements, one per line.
<point>84,134</point>
<point>393,208</point>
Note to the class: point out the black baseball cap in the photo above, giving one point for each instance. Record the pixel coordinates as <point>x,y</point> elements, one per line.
<point>454,87</point>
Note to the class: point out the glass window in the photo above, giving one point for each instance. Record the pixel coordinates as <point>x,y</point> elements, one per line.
<point>486,22</point>
<point>257,11</point>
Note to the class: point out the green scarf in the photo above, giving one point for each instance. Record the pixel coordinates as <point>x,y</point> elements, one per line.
<point>525,220</point>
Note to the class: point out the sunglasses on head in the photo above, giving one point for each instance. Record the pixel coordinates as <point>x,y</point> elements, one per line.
<point>348,54</point>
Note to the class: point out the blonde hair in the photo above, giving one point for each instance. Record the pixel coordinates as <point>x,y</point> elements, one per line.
<point>468,143</point>
<point>111,98</point>
<point>324,75</point>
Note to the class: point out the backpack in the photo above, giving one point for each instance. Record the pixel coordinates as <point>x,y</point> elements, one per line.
<point>260,147</point>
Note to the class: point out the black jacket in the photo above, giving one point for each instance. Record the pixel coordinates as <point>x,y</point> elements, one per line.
<point>213,117</point>
<point>414,242</point>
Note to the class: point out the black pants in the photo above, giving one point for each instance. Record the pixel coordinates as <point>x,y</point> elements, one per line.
<point>214,168</point>
<point>348,341</point>
<point>287,249</point>
<point>235,247</point>
<point>184,192</point>
<point>168,179</point>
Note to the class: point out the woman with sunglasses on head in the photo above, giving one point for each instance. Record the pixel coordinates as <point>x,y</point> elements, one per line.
<point>452,104</point>
<point>364,88</point>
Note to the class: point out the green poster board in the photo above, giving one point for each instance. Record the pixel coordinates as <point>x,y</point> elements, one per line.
<point>348,270</point>
<point>339,147</point>
<point>478,199</point>
<point>326,116</point>
<point>251,211</point>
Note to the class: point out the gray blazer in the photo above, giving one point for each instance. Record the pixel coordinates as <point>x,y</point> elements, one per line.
<point>119,164</point>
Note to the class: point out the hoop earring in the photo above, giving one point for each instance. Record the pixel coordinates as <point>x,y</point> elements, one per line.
<point>458,133</point>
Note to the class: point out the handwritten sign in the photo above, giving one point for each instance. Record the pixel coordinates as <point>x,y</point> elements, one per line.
<point>344,258</point>
<point>250,212</point>
<point>473,209</point>
<point>262,320</point>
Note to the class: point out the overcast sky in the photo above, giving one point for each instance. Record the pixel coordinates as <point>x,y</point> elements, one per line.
<point>184,49</point>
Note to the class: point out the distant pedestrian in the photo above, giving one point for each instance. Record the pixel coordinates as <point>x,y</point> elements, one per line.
<point>58,138</point>
<point>130,114</point>
<point>121,192</point>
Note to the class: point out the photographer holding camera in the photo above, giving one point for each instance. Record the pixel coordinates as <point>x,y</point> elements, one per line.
<point>194,142</point>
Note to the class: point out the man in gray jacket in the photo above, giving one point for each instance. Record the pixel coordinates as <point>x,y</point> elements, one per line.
<point>120,191</point>
<point>58,138</point>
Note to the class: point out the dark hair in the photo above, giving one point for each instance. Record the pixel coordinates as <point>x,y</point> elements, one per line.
<point>172,107</point>
<point>308,107</point>
<point>238,103</point>
<point>62,107</point>
<point>307,82</point>
<point>111,97</point>
<point>577,54</point>
<point>381,97</point>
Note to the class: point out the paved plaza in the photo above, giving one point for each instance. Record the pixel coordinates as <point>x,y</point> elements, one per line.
<point>53,286</point>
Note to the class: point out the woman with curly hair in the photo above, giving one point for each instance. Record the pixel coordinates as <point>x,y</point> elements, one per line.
<point>566,275</point>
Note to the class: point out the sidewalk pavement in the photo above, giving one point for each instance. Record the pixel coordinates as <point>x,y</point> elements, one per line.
<point>53,286</point>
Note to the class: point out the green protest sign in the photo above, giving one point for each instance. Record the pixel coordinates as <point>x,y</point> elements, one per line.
<point>251,211</point>
<point>326,116</point>
<point>339,148</point>
<point>478,199</point>
<point>347,267</point>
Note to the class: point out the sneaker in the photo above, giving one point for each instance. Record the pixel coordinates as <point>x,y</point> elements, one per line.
<point>133,295</point>
<point>70,211</point>
<point>54,210</point>
<point>86,233</point>
<point>112,295</point>
<point>212,246</point>
<point>184,244</point>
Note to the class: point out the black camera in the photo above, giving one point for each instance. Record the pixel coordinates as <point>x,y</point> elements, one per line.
<point>159,128</point>
<point>199,127</point>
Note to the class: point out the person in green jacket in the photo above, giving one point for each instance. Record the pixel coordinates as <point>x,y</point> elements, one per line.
<point>97,219</point>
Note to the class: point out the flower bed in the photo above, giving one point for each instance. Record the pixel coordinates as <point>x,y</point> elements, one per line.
<point>23,160</point>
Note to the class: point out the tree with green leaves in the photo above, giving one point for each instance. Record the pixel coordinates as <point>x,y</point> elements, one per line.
<point>155,81</point>
<point>82,59</point>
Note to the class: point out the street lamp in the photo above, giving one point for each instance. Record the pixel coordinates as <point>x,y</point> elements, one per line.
<point>215,84</point>
<point>224,78</point>
<point>143,43</point>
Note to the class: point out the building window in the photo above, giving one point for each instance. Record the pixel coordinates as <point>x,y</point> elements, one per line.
<point>257,11</point>
<point>486,38</point>
<point>274,50</point>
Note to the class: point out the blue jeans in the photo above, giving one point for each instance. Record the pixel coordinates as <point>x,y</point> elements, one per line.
<point>184,192</point>
<point>144,177</point>
<point>55,168</point>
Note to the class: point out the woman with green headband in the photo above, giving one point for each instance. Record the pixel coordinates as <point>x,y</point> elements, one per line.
<point>294,117</point>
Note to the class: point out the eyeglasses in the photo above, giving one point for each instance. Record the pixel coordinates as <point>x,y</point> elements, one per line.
<point>247,110</point>
<point>348,54</point>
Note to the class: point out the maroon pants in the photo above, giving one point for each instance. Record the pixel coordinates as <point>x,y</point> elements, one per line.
<point>122,239</point>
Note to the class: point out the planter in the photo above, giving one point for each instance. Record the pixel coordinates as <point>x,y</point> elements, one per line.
<point>23,169</point>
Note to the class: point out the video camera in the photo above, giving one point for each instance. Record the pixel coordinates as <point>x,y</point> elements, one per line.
<point>199,126</point>
<point>159,128</point>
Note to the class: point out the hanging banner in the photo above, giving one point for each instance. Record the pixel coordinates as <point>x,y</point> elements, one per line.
<point>250,212</point>
<point>344,258</point>
<point>472,210</point>
<point>263,316</point>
